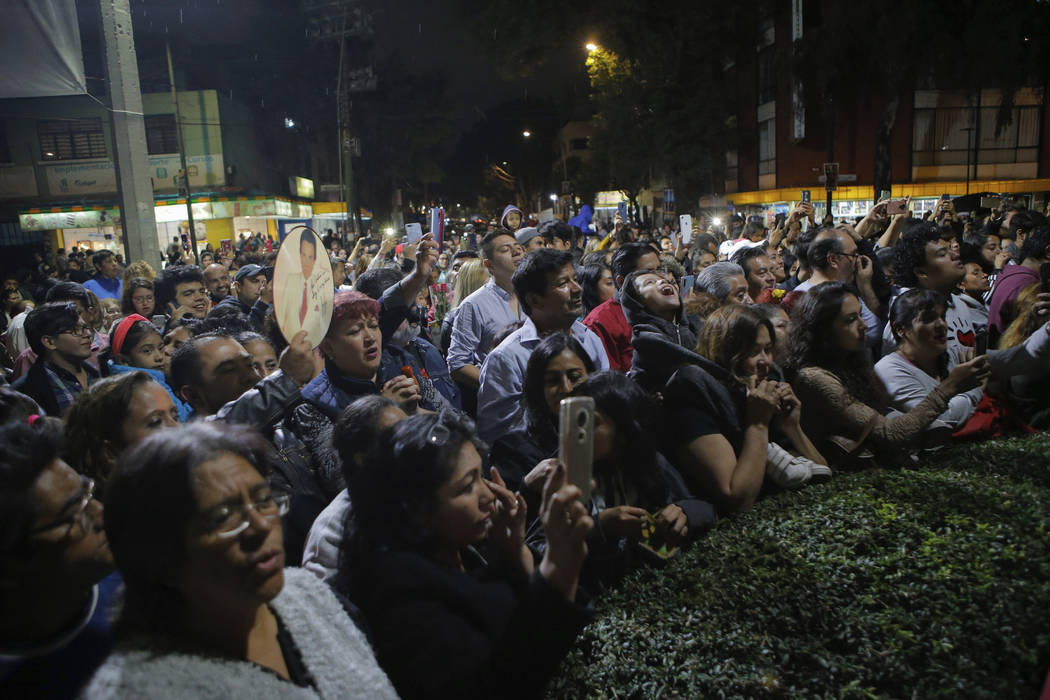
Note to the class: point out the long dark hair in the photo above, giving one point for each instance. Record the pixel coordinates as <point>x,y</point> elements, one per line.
<point>394,490</point>
<point>631,410</point>
<point>538,417</point>
<point>150,499</point>
<point>94,424</point>
<point>812,345</point>
<point>590,276</point>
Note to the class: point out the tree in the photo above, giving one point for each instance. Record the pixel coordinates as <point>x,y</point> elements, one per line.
<point>658,88</point>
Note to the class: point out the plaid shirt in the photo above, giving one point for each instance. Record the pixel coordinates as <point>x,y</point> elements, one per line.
<point>65,386</point>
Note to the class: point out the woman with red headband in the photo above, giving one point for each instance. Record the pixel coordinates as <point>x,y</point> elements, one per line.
<point>135,344</point>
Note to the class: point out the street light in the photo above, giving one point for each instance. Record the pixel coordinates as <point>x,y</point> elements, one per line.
<point>716,221</point>
<point>526,133</point>
<point>554,198</point>
<point>591,47</point>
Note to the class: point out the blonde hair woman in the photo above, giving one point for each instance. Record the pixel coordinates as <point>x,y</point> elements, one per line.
<point>471,277</point>
<point>139,268</point>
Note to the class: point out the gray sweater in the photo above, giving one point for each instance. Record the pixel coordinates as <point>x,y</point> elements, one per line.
<point>334,650</point>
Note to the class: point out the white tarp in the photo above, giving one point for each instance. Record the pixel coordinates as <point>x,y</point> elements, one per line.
<point>40,49</point>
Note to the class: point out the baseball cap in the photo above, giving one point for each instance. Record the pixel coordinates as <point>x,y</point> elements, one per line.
<point>249,270</point>
<point>524,235</point>
<point>731,248</point>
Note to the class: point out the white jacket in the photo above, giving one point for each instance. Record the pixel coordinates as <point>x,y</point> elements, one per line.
<point>321,554</point>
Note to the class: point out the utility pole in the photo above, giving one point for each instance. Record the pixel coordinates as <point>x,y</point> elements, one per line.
<point>134,181</point>
<point>184,173</point>
<point>328,20</point>
<point>346,156</point>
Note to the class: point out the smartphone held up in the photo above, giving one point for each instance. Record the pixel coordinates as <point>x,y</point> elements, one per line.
<point>576,441</point>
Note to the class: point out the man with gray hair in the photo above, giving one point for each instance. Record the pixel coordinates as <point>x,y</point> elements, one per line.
<point>725,281</point>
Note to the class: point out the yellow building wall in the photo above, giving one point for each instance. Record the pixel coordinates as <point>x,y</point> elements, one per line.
<point>57,239</point>
<point>217,229</point>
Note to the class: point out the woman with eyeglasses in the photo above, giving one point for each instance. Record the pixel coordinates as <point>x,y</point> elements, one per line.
<point>210,611</point>
<point>138,297</point>
<point>447,621</point>
<point>56,571</point>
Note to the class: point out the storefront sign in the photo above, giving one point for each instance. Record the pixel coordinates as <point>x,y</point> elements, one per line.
<point>202,211</point>
<point>69,219</point>
<point>204,171</point>
<point>609,198</point>
<point>83,178</point>
<point>302,187</point>
<point>100,177</point>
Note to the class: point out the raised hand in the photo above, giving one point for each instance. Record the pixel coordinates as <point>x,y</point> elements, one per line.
<point>508,523</point>
<point>566,525</point>
<point>298,360</point>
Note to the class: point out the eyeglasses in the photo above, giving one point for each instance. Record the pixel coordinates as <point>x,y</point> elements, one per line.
<point>848,255</point>
<point>79,329</point>
<point>230,521</point>
<point>438,434</point>
<point>79,517</point>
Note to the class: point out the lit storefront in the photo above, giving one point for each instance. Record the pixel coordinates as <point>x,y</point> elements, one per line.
<point>215,219</point>
<point>856,201</point>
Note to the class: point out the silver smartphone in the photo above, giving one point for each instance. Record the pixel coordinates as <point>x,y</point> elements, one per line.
<point>576,440</point>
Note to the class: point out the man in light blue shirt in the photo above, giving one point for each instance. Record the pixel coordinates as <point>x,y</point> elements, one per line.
<point>106,284</point>
<point>552,299</point>
<point>487,312</point>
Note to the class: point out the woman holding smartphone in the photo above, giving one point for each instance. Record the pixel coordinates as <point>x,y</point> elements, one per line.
<point>638,497</point>
<point>524,458</point>
<point>920,363</point>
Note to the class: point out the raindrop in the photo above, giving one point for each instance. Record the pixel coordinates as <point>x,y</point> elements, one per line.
<point>180,15</point>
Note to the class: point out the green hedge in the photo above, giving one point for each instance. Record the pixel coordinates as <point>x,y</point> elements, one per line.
<point>906,584</point>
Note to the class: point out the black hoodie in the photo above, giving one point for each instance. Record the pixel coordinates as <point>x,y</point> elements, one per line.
<point>660,346</point>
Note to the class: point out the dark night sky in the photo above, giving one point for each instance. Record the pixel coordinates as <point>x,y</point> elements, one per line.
<point>430,37</point>
<point>426,36</point>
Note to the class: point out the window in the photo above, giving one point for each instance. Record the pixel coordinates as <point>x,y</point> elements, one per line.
<point>767,146</point>
<point>767,75</point>
<point>732,171</point>
<point>71,139</point>
<point>5,150</point>
<point>161,136</point>
<point>945,136</point>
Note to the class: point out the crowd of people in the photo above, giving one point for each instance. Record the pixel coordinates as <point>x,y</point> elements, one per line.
<point>193,504</point>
